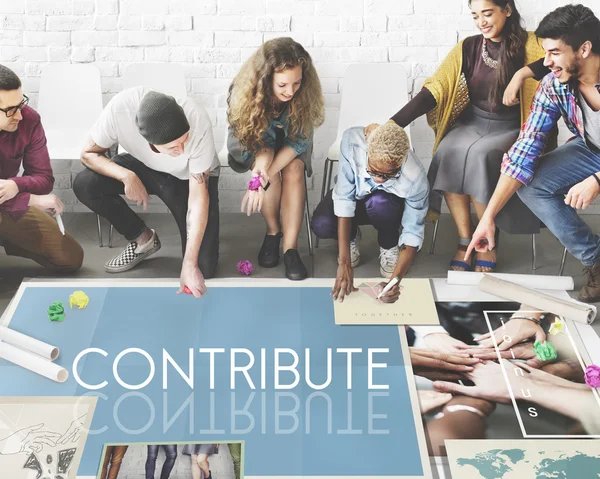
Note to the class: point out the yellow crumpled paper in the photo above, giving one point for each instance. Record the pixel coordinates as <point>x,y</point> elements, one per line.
<point>556,327</point>
<point>79,299</point>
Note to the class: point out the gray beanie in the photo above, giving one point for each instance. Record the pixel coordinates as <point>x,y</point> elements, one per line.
<point>160,119</point>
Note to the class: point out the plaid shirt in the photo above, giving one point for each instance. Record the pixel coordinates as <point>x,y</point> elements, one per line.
<point>552,100</point>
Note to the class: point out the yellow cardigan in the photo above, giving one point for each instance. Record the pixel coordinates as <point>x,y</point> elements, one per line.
<point>449,88</point>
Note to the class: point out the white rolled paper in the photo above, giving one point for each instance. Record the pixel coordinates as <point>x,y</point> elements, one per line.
<point>28,343</point>
<point>535,281</point>
<point>571,309</point>
<point>33,362</point>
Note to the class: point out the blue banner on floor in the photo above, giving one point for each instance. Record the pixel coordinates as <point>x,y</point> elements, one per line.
<point>266,365</point>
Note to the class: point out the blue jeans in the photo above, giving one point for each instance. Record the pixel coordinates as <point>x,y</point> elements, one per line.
<point>554,176</point>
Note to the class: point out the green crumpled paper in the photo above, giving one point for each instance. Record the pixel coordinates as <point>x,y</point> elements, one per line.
<point>545,351</point>
<point>56,312</point>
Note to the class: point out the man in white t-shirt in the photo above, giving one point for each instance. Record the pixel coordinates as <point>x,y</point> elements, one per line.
<point>170,154</point>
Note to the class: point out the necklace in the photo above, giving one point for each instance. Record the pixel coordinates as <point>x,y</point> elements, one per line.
<point>486,57</point>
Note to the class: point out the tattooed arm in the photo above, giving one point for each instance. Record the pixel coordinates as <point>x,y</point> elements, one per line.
<point>93,156</point>
<point>196,220</point>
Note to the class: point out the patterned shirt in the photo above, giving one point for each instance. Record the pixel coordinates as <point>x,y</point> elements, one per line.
<point>552,100</point>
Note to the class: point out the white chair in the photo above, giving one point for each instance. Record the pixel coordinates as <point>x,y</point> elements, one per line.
<point>70,102</point>
<point>223,154</point>
<point>364,101</point>
<point>167,78</point>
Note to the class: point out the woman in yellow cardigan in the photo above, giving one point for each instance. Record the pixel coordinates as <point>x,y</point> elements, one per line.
<point>463,101</point>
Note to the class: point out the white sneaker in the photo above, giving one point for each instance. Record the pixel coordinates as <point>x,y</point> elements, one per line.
<point>354,249</point>
<point>387,261</point>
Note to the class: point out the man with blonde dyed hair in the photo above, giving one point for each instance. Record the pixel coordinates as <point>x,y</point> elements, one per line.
<point>382,183</point>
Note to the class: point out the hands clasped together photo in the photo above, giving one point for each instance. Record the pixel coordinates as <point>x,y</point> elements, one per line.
<point>463,376</point>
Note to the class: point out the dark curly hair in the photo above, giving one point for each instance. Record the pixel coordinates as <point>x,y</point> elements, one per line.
<point>573,24</point>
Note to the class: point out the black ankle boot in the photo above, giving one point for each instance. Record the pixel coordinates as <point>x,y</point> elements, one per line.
<point>268,256</point>
<point>294,267</point>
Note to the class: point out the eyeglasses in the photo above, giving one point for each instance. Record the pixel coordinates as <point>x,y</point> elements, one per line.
<point>12,111</point>
<point>384,176</point>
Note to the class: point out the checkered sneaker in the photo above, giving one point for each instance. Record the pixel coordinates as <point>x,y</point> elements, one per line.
<point>132,255</point>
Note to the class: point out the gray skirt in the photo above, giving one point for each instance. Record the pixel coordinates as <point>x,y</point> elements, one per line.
<point>190,449</point>
<point>468,162</point>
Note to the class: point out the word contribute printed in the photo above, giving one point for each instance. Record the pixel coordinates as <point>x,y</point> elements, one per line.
<point>236,368</point>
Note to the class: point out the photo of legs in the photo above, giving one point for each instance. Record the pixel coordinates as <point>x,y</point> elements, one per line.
<point>200,460</point>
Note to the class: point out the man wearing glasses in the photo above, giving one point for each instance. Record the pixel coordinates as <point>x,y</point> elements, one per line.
<point>381,183</point>
<point>26,228</point>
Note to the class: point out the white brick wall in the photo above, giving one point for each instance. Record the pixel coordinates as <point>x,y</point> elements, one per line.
<point>211,38</point>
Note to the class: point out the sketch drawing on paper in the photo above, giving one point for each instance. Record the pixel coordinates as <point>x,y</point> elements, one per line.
<point>41,440</point>
<point>415,305</point>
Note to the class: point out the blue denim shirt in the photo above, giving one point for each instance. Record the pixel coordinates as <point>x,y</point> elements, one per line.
<point>354,183</point>
<point>245,158</point>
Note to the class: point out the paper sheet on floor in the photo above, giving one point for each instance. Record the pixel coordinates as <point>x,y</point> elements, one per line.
<point>415,305</point>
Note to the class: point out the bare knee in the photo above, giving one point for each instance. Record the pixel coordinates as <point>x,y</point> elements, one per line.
<point>294,171</point>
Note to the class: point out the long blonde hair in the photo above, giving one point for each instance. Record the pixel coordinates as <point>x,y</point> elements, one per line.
<point>251,102</point>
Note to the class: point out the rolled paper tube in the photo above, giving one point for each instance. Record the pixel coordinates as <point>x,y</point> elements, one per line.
<point>34,363</point>
<point>535,281</point>
<point>544,351</point>
<point>45,350</point>
<point>571,309</point>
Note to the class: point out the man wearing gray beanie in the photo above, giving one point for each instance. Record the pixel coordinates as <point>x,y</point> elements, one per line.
<point>170,153</point>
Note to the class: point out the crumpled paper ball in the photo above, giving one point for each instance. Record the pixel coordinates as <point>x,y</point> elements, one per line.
<point>79,299</point>
<point>56,312</point>
<point>245,267</point>
<point>254,184</point>
<point>545,351</point>
<point>557,327</point>
<point>592,376</point>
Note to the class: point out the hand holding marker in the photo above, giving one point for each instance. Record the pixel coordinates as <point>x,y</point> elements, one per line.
<point>395,280</point>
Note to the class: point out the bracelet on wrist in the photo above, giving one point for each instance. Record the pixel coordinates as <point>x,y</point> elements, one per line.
<point>529,318</point>
<point>458,408</point>
<point>596,178</point>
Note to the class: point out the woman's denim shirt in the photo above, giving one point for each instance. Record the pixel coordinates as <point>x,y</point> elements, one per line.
<point>241,160</point>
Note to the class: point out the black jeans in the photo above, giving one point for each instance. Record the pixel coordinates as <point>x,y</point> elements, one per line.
<point>171,455</point>
<point>102,195</point>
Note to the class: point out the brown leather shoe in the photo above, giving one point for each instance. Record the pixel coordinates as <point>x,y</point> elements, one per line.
<point>590,293</point>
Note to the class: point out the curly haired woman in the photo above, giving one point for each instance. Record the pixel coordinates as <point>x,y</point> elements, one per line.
<point>274,105</point>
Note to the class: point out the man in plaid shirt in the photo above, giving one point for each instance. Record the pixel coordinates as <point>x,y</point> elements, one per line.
<point>554,186</point>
